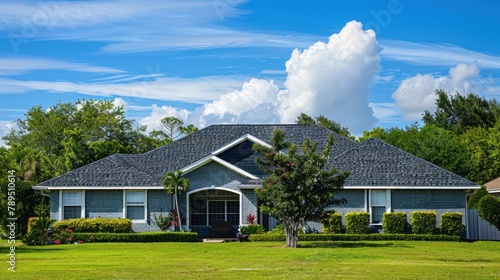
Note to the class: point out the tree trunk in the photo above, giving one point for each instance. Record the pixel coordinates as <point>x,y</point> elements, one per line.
<point>178,213</point>
<point>291,231</point>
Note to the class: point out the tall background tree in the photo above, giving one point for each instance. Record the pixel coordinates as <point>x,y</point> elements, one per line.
<point>171,129</point>
<point>324,122</point>
<point>462,136</point>
<point>49,142</point>
<point>298,187</point>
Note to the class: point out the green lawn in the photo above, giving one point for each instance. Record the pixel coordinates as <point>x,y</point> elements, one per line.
<point>255,260</point>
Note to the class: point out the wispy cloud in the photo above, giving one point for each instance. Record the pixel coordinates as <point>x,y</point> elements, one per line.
<point>132,26</point>
<point>195,90</point>
<point>20,65</point>
<point>435,54</point>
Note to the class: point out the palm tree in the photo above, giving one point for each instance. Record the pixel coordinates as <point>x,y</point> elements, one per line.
<point>173,183</point>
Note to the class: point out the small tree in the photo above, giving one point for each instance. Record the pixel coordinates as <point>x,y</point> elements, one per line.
<point>476,197</point>
<point>298,188</point>
<point>488,209</point>
<point>173,181</point>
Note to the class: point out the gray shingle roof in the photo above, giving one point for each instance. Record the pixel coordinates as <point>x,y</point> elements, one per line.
<point>376,163</point>
<point>372,163</point>
<point>148,168</point>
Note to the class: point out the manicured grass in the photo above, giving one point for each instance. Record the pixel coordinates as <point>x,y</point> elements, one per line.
<point>258,260</point>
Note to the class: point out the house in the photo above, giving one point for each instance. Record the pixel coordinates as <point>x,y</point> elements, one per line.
<point>493,187</point>
<point>219,163</point>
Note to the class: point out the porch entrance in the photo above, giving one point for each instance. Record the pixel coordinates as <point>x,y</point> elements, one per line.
<point>214,213</point>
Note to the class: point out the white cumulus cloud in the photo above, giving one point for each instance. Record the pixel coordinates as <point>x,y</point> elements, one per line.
<point>153,121</point>
<point>417,94</point>
<point>332,79</point>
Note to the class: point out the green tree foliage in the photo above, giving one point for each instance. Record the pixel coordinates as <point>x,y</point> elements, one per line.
<point>483,151</point>
<point>298,187</point>
<point>324,122</point>
<point>459,113</point>
<point>26,200</point>
<point>49,142</point>
<point>476,197</point>
<point>488,209</point>
<point>462,136</point>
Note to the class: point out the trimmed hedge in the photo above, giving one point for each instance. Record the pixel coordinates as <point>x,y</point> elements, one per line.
<point>135,237</point>
<point>357,222</point>
<point>423,222</point>
<point>105,225</point>
<point>451,223</point>
<point>331,222</point>
<point>394,223</point>
<point>356,237</point>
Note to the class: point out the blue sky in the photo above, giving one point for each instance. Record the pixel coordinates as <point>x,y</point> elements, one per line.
<point>362,63</point>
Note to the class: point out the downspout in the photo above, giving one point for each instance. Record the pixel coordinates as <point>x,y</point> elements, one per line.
<point>467,228</point>
<point>44,194</point>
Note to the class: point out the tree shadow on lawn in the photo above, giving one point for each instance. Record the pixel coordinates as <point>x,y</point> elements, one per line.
<point>344,244</point>
<point>38,249</point>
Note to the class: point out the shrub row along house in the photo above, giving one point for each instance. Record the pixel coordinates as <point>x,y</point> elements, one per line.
<point>219,163</point>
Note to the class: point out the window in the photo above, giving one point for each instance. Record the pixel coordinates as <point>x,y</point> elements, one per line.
<point>224,211</point>
<point>136,205</point>
<point>379,204</point>
<point>208,206</point>
<point>72,204</point>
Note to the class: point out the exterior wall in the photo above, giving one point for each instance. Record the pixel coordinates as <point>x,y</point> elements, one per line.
<point>158,202</point>
<point>54,205</point>
<point>213,174</point>
<point>434,200</point>
<point>249,205</point>
<point>407,201</point>
<point>355,201</point>
<point>104,204</point>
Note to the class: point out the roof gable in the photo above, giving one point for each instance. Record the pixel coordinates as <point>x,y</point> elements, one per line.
<point>213,158</point>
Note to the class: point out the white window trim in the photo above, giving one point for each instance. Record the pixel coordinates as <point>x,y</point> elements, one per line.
<point>145,206</point>
<point>188,223</point>
<point>61,204</point>
<point>388,205</point>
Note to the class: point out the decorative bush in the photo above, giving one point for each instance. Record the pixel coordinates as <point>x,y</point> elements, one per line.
<point>423,222</point>
<point>394,223</point>
<point>163,221</point>
<point>357,222</point>
<point>451,223</point>
<point>279,229</point>
<point>116,225</point>
<point>355,237</point>
<point>252,229</point>
<point>251,219</point>
<point>37,231</point>
<point>331,222</point>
